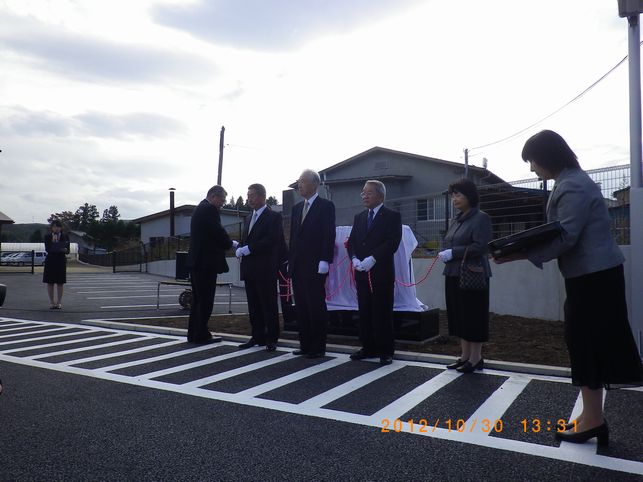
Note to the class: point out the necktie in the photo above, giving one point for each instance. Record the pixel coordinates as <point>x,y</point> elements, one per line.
<point>252,221</point>
<point>370,219</point>
<point>304,212</point>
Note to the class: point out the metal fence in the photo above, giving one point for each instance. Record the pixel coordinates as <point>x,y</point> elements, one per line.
<point>135,259</point>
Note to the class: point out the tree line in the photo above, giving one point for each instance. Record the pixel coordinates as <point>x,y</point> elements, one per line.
<point>241,204</point>
<point>108,231</point>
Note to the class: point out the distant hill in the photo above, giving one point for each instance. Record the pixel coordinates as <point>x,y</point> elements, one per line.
<point>22,233</point>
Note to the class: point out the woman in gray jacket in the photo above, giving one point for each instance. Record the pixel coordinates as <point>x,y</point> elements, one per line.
<point>601,347</point>
<point>467,310</point>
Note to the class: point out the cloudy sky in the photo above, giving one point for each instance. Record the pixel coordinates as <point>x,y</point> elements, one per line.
<point>113,102</point>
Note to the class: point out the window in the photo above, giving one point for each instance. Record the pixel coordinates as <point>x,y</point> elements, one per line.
<point>432,209</point>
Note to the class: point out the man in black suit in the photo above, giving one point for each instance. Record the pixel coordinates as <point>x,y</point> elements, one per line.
<point>312,244</point>
<point>206,259</point>
<point>259,252</point>
<point>374,238</point>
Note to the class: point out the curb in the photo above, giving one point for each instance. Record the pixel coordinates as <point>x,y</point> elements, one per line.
<point>532,369</point>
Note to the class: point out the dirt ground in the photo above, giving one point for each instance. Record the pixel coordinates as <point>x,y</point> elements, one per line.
<point>511,338</point>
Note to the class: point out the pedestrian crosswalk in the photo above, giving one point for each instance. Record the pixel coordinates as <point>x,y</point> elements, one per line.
<point>493,408</point>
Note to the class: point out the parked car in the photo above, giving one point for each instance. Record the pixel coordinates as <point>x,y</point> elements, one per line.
<point>6,256</point>
<point>24,258</point>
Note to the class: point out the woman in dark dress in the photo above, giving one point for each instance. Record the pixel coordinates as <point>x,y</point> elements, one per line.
<point>599,339</point>
<point>55,273</point>
<point>467,310</point>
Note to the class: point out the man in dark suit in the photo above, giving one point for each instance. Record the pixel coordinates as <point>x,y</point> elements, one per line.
<point>206,259</point>
<point>312,244</point>
<point>374,238</point>
<point>259,252</point>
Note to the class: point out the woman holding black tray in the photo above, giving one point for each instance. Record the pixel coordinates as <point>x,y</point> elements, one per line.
<point>465,247</point>
<point>601,347</point>
<point>55,273</point>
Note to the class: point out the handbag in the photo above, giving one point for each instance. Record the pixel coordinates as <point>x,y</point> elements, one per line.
<point>472,276</point>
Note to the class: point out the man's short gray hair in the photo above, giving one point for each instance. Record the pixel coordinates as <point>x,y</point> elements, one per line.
<point>379,186</point>
<point>217,191</point>
<point>311,176</point>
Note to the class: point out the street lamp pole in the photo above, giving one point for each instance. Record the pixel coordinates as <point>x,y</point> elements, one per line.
<point>631,10</point>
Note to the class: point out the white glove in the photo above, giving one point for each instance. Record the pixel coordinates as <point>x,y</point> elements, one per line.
<point>323,267</point>
<point>367,264</point>
<point>356,263</point>
<point>235,244</point>
<point>243,251</point>
<point>446,255</point>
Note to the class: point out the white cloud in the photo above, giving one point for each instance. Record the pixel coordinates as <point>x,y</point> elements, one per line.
<point>114,102</point>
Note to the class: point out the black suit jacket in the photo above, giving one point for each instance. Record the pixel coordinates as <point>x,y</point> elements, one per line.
<point>62,246</point>
<point>265,242</point>
<point>314,240</point>
<point>208,239</point>
<point>381,241</point>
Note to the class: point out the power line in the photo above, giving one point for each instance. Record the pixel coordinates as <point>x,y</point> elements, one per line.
<point>557,110</point>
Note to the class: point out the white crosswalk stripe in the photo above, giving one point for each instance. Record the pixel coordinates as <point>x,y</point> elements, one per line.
<point>202,376</point>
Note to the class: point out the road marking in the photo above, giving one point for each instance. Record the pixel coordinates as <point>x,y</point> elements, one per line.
<point>494,407</point>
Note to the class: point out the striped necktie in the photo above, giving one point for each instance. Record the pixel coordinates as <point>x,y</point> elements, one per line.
<point>304,212</point>
<point>369,222</point>
<point>252,221</point>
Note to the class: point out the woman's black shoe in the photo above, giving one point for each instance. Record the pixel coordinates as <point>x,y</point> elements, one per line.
<point>467,367</point>
<point>459,362</point>
<point>601,433</point>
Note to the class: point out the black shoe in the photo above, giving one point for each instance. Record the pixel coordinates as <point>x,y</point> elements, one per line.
<point>299,353</point>
<point>601,433</point>
<point>360,355</point>
<point>318,354</point>
<point>386,360</point>
<point>459,362</point>
<point>271,347</point>
<point>206,340</point>
<point>467,367</point>
<point>249,344</point>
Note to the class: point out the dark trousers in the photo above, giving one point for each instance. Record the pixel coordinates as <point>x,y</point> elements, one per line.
<point>312,317</point>
<point>375,315</point>
<point>204,284</point>
<point>263,310</point>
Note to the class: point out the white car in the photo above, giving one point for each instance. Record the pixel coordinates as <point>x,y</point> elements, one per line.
<point>24,258</point>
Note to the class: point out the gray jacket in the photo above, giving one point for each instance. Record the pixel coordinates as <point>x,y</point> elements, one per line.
<point>586,244</point>
<point>472,230</point>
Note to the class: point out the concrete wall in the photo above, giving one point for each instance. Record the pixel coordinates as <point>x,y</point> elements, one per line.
<point>517,288</point>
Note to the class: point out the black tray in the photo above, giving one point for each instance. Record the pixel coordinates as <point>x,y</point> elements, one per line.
<point>524,239</point>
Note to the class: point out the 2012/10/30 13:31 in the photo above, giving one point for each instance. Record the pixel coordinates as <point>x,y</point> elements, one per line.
<point>485,425</point>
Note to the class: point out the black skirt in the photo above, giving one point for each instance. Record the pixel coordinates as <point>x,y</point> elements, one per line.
<point>601,346</point>
<point>55,268</point>
<point>467,311</point>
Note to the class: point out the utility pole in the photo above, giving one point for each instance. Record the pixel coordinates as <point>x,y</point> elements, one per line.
<point>466,163</point>
<point>221,136</point>
<point>631,10</point>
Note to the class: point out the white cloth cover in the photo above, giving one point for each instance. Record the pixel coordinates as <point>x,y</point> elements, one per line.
<point>339,286</point>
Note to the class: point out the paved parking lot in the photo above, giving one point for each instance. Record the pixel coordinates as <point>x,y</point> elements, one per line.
<point>497,414</point>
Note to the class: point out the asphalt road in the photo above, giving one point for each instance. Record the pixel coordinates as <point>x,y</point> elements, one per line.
<point>96,403</point>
